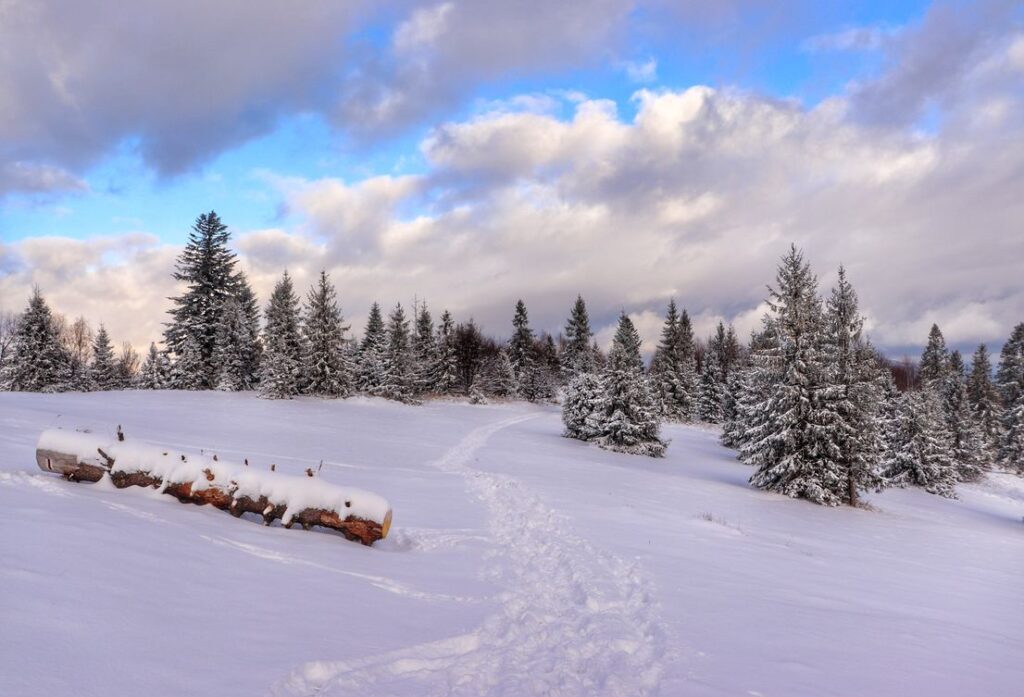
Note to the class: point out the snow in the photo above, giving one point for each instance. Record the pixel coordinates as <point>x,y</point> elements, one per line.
<point>296,493</point>
<point>519,563</point>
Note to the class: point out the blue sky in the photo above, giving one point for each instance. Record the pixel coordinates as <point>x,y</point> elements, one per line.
<point>465,152</point>
<point>126,195</point>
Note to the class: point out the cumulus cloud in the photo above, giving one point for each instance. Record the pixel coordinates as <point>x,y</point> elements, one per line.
<point>693,197</point>
<point>182,79</point>
<point>121,281</point>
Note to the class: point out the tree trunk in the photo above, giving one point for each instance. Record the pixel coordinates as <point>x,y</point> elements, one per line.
<point>219,494</point>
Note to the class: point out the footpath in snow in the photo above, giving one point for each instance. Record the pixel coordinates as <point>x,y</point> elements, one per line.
<point>573,620</point>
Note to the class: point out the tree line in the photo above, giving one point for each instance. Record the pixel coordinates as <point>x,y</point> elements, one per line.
<point>807,400</point>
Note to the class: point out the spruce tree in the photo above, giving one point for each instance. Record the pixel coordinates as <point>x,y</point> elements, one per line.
<point>398,377</point>
<point>581,407</point>
<point>935,358</point>
<point>445,372</point>
<point>325,363</point>
<point>794,451</point>
<point>673,368</point>
<point>966,441</point>
<point>425,351</point>
<point>187,369</point>
<point>232,355</point>
<point>281,366</point>
<point>497,377</point>
<point>372,352</point>
<point>252,349</point>
<point>851,394</point>
<point>155,372</point>
<point>629,417</point>
<point>1010,382</point>
<point>750,419</point>
<point>710,392</point>
<point>984,400</point>
<point>8,329</point>
<point>577,356</point>
<point>920,448</point>
<point>207,266</point>
<point>521,345</point>
<point>38,362</point>
<point>103,369</point>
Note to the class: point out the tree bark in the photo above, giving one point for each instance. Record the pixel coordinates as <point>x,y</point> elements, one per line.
<point>217,495</point>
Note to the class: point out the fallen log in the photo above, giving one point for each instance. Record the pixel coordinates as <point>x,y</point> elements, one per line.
<point>358,515</point>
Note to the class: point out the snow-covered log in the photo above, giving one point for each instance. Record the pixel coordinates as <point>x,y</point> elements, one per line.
<point>203,479</point>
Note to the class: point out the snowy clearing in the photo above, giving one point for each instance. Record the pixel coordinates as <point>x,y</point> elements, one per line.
<point>519,563</point>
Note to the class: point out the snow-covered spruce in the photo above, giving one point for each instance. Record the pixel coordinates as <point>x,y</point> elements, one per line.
<point>920,445</point>
<point>281,367</point>
<point>581,405</point>
<point>628,416</point>
<point>674,367</point>
<point>202,479</point>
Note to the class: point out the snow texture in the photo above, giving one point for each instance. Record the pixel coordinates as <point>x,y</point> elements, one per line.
<point>520,563</point>
<point>296,493</point>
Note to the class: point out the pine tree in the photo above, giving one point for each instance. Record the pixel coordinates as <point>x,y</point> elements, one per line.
<point>793,450</point>
<point>207,266</point>
<point>1010,381</point>
<point>673,367</point>
<point>920,448</point>
<point>399,376</point>
<point>582,406</point>
<point>851,394</point>
<point>577,356</point>
<point>445,372</point>
<point>629,419</point>
<point>984,399</point>
<point>39,362</point>
<point>232,354</point>
<point>155,372</point>
<point>103,368</point>
<point>935,358</point>
<point>325,363</point>
<point>370,369</point>
<point>281,366</point>
<point>425,351</point>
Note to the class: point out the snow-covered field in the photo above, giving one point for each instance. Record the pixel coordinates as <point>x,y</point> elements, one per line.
<point>519,563</point>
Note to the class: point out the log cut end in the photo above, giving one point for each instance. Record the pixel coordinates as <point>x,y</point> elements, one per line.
<point>358,515</point>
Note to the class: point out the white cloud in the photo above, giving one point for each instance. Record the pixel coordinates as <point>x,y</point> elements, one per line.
<point>644,72</point>
<point>695,197</point>
<point>867,38</point>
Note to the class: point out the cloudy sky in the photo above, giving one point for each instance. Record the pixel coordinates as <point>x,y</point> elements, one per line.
<point>473,152</point>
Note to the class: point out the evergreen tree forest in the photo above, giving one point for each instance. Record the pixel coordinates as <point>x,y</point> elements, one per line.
<point>806,400</point>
